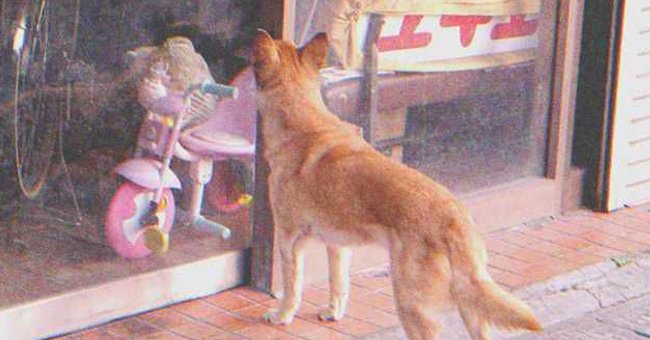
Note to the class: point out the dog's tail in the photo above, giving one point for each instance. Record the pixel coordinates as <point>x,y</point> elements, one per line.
<point>492,304</point>
<point>473,289</point>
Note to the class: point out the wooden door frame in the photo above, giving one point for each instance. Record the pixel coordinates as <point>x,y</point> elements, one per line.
<point>607,110</point>
<point>274,19</point>
<point>596,100</point>
<point>519,196</point>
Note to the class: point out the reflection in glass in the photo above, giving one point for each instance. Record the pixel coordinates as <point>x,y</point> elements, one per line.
<point>71,110</point>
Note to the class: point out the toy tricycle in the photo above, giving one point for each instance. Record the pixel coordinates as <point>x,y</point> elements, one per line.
<point>141,212</point>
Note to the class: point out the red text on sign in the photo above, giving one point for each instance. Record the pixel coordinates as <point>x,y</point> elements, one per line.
<point>407,38</point>
<point>467,25</point>
<point>517,27</point>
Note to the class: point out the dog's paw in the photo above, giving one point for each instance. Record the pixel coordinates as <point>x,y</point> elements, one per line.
<point>330,315</point>
<point>276,318</point>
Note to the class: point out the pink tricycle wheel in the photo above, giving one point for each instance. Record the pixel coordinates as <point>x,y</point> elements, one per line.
<point>122,225</point>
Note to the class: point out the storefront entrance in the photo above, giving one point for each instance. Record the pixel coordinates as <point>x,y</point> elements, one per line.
<point>72,108</point>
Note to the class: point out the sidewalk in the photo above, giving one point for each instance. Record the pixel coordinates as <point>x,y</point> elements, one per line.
<point>580,248</point>
<point>628,321</point>
<point>607,300</point>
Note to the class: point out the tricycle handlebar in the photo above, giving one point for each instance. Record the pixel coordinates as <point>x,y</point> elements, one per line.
<point>219,89</point>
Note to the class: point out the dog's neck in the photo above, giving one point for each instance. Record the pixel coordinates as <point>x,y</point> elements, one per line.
<point>294,118</point>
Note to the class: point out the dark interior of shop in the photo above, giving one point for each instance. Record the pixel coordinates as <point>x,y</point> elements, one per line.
<point>74,116</point>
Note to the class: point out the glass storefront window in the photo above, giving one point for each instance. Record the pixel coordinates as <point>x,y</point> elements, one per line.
<point>88,85</point>
<point>463,88</point>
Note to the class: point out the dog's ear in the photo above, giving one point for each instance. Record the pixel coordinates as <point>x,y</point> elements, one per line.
<point>264,50</point>
<point>313,54</point>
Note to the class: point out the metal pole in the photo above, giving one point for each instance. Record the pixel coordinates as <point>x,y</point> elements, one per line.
<point>370,95</point>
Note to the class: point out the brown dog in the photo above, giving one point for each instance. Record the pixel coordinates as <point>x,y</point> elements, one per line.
<point>327,182</point>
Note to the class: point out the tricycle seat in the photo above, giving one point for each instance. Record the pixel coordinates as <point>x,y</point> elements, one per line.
<point>230,131</point>
<point>216,144</point>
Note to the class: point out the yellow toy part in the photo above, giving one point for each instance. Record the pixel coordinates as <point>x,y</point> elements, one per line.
<point>156,240</point>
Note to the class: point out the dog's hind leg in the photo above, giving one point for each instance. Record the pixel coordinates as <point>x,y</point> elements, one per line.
<point>418,323</point>
<point>414,278</point>
<point>478,329</point>
<point>339,279</point>
<point>291,251</point>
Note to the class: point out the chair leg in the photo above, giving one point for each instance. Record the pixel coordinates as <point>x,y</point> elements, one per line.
<point>200,174</point>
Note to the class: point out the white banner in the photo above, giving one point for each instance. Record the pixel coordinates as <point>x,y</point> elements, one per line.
<point>416,42</point>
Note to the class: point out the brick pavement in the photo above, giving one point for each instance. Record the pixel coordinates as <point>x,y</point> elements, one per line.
<point>519,257</point>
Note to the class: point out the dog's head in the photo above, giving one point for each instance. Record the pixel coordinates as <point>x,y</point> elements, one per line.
<point>279,63</point>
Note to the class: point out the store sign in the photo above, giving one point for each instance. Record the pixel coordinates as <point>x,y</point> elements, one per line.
<point>454,41</point>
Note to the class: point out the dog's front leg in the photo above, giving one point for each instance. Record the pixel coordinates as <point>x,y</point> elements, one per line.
<point>291,252</point>
<point>339,259</point>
